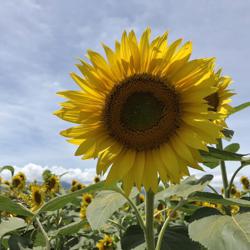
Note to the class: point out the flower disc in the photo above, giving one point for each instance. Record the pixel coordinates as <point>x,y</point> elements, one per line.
<point>142,111</point>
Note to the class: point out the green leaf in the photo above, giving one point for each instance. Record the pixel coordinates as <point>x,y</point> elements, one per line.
<point>240,107</point>
<point>176,238</point>
<point>39,240</point>
<point>203,212</point>
<point>218,199</point>
<point>103,206</point>
<point>215,154</point>
<point>10,225</point>
<point>70,229</point>
<point>222,232</point>
<point>132,238</point>
<point>233,147</point>
<point>61,201</point>
<point>185,188</point>
<point>17,242</point>
<point>10,168</point>
<point>211,165</point>
<point>6,204</point>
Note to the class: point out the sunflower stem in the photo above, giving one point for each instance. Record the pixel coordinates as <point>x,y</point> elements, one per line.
<point>137,213</point>
<point>149,210</point>
<point>233,176</point>
<point>166,223</point>
<point>223,170</point>
<point>43,233</point>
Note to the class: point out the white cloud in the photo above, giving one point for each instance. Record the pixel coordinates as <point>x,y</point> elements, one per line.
<point>34,172</point>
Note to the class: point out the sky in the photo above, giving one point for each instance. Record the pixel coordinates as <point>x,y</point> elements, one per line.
<point>41,42</point>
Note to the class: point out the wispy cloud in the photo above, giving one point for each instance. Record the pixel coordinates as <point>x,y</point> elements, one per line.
<point>34,172</point>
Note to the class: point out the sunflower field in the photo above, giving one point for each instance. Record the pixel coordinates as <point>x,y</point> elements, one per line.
<point>148,113</point>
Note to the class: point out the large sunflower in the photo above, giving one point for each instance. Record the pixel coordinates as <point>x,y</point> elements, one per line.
<point>219,100</point>
<point>142,111</point>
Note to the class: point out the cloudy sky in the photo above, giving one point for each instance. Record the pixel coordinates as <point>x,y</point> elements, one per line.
<point>41,41</point>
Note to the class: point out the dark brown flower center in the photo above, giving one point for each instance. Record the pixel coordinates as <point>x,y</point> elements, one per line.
<point>16,182</point>
<point>37,197</point>
<point>213,100</point>
<point>142,112</point>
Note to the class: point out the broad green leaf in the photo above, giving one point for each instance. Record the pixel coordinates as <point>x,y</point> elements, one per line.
<point>132,238</point>
<point>203,212</point>
<point>17,242</point>
<point>70,229</point>
<point>233,147</point>
<point>185,188</point>
<point>10,225</point>
<point>61,201</point>
<point>176,238</point>
<point>240,107</point>
<point>222,232</point>
<point>6,204</point>
<point>218,199</point>
<point>10,168</point>
<point>215,154</point>
<point>104,205</point>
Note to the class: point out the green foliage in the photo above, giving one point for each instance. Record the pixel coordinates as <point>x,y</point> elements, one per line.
<point>10,225</point>
<point>60,201</point>
<point>186,187</point>
<point>176,238</point>
<point>8,205</point>
<point>219,232</point>
<point>132,238</point>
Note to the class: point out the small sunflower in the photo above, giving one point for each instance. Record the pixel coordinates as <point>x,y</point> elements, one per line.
<point>21,175</point>
<point>76,185</point>
<point>53,184</point>
<point>87,198</point>
<point>245,182</point>
<point>219,100</point>
<point>107,243</point>
<point>97,179</point>
<point>17,182</point>
<point>142,111</point>
<point>37,197</point>
<point>173,214</point>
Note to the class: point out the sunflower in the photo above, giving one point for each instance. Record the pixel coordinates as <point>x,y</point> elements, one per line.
<point>218,101</point>
<point>21,175</point>
<point>142,111</point>
<point>53,184</point>
<point>106,243</point>
<point>97,179</point>
<point>87,199</point>
<point>245,182</point>
<point>37,197</point>
<point>17,182</point>
<point>75,185</point>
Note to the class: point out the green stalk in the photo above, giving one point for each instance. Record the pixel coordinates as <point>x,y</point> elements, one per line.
<point>149,210</point>
<point>166,223</point>
<point>223,170</point>
<point>233,176</point>
<point>137,213</point>
<point>43,233</point>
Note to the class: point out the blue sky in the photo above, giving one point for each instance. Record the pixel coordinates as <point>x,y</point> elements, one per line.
<point>41,41</point>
